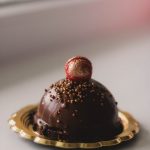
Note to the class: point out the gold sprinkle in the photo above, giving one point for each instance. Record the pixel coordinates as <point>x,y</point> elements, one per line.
<point>58,121</point>
<point>65,132</point>
<point>58,112</point>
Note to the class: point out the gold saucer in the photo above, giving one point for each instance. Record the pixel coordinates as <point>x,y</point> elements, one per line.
<point>21,123</point>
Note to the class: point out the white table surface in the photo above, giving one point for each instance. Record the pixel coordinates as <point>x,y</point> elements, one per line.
<point>124,68</point>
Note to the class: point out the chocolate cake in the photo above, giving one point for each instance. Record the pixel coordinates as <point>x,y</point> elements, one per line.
<point>78,108</point>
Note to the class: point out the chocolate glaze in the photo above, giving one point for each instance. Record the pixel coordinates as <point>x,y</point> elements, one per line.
<point>78,111</point>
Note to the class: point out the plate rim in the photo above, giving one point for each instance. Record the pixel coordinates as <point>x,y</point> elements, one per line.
<point>16,124</point>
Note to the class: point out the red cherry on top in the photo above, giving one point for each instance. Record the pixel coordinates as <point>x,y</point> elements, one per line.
<point>78,68</point>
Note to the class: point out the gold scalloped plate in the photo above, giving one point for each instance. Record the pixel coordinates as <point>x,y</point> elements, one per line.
<point>20,122</point>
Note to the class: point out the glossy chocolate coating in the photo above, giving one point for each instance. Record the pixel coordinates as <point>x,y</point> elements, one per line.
<point>78,111</point>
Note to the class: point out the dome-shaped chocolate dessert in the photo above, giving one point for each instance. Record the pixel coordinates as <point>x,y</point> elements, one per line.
<point>78,108</point>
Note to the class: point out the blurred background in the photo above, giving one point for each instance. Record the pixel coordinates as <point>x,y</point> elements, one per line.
<point>38,36</point>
